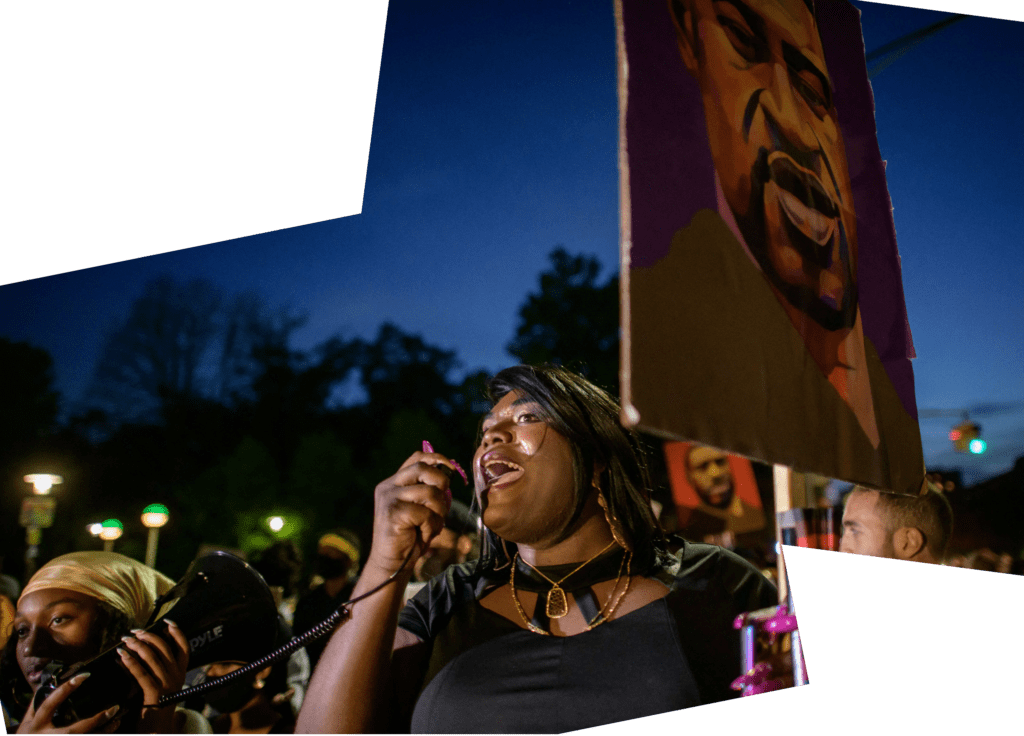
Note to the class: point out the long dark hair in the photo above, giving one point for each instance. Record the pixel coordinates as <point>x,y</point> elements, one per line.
<point>588,417</point>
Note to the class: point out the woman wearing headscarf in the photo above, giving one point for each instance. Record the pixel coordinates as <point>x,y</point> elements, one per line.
<point>84,603</point>
<point>577,614</point>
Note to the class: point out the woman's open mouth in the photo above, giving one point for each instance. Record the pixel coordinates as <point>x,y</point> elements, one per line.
<point>500,471</point>
<point>35,675</point>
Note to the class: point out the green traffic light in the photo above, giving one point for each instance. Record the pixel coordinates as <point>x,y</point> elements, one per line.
<point>977,446</point>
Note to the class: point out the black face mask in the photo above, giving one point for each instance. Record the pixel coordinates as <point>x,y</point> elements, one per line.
<point>331,567</point>
<point>232,696</point>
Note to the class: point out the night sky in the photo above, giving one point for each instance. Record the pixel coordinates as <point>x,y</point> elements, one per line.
<point>495,140</point>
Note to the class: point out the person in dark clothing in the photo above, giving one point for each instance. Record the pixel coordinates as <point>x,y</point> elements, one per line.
<point>337,562</point>
<point>575,614</point>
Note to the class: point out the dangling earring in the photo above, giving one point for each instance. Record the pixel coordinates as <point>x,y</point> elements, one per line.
<point>486,547</point>
<point>618,533</point>
<point>508,557</point>
<point>259,684</point>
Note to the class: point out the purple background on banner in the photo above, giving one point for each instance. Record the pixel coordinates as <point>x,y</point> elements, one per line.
<point>672,174</point>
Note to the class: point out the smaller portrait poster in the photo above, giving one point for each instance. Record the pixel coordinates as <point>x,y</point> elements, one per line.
<point>714,492</point>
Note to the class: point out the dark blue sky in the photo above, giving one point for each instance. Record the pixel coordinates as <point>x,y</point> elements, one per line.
<point>494,140</point>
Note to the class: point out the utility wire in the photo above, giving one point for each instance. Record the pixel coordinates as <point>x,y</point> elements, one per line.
<point>893,50</point>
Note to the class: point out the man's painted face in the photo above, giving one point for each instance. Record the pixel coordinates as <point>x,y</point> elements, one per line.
<point>711,476</point>
<point>776,145</point>
<point>864,530</point>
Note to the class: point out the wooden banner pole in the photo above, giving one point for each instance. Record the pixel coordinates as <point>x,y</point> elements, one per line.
<point>783,502</point>
<point>783,477</point>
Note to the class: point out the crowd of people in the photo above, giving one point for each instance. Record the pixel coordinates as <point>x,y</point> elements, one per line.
<point>556,602</point>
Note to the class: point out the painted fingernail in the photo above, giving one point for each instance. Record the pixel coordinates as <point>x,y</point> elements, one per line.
<point>138,631</point>
<point>171,623</point>
<point>122,651</point>
<point>465,478</point>
<point>79,678</point>
<point>109,712</point>
<point>427,447</point>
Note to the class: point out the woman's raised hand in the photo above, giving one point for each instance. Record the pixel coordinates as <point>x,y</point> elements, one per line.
<point>409,509</point>
<point>159,666</point>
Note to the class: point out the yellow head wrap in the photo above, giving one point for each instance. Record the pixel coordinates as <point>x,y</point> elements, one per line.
<point>341,544</point>
<point>121,582</point>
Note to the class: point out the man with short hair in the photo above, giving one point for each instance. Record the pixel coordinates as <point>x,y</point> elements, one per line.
<point>898,527</point>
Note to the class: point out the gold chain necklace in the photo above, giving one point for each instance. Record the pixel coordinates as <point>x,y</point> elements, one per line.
<point>602,615</point>
<point>557,604</point>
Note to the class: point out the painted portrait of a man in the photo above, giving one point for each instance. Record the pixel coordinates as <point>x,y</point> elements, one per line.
<point>714,492</point>
<point>747,322</point>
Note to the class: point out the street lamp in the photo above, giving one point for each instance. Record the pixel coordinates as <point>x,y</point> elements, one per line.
<point>43,482</point>
<point>112,529</point>
<point>276,523</point>
<point>36,515</point>
<point>154,516</point>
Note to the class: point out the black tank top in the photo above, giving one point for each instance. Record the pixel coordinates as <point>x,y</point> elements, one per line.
<point>488,675</point>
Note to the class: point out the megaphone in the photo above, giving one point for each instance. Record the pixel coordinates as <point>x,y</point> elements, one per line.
<point>223,607</point>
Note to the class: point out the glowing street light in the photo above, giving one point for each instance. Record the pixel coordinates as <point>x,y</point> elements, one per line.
<point>37,514</point>
<point>154,516</point>
<point>111,529</point>
<point>95,529</point>
<point>43,482</point>
<point>276,523</point>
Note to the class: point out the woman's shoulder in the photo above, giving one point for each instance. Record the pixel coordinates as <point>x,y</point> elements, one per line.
<point>708,567</point>
<point>426,613</point>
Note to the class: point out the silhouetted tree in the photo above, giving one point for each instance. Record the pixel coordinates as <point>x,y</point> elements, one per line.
<point>573,320</point>
<point>27,396</point>
<point>399,371</point>
<point>183,342</point>
<point>158,352</point>
<point>28,415</point>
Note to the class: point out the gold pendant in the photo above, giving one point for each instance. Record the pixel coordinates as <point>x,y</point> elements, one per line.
<point>557,605</point>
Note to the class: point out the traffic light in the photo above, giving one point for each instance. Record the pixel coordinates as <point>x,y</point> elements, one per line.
<point>966,437</point>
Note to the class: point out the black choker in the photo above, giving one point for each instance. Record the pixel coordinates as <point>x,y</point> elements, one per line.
<point>602,568</point>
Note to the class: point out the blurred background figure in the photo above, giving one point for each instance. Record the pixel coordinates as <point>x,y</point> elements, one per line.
<point>280,564</point>
<point>337,563</point>
<point>898,527</point>
<point>457,542</point>
<point>255,703</point>
<point>9,592</point>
